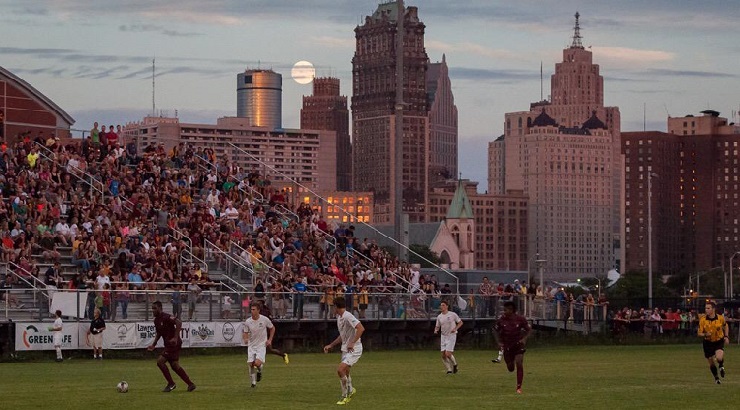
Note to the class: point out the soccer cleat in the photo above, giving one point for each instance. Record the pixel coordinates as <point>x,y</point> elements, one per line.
<point>59,360</point>
<point>717,381</point>
<point>191,387</point>
<point>454,369</point>
<point>496,360</point>
<point>449,372</point>
<point>518,390</point>
<point>259,376</point>
<point>351,394</point>
<point>285,358</point>
<point>342,401</point>
<point>254,384</point>
<point>168,388</point>
<point>722,371</point>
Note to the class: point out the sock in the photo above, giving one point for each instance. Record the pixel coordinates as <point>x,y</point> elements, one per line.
<point>721,363</point>
<point>713,368</point>
<point>166,373</point>
<point>183,375</point>
<point>252,375</point>
<point>519,376</point>
<point>59,352</point>
<point>349,385</point>
<point>447,363</point>
<point>500,354</point>
<point>259,369</point>
<point>452,360</point>
<point>343,382</point>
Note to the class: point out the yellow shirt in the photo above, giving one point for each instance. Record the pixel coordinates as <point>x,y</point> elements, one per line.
<point>716,327</point>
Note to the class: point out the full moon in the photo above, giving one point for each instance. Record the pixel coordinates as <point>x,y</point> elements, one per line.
<point>303,72</point>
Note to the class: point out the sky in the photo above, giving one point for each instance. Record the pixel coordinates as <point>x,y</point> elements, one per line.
<point>658,57</point>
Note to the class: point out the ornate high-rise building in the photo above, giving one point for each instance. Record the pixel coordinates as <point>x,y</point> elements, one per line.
<point>565,155</point>
<point>326,109</point>
<point>442,124</point>
<point>373,112</point>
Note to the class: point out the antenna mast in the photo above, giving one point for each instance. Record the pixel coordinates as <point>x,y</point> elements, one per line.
<point>542,95</point>
<point>154,110</point>
<point>577,34</point>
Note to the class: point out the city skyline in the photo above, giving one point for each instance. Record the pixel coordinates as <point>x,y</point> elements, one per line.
<point>94,60</point>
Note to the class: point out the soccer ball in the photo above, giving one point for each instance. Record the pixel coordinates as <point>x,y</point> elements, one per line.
<point>122,387</point>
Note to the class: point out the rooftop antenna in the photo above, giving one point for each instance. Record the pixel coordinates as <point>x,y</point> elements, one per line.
<point>644,116</point>
<point>577,34</point>
<point>154,110</point>
<point>542,95</point>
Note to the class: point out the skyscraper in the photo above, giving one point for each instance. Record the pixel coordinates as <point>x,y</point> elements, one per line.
<point>259,97</point>
<point>373,112</point>
<point>442,124</point>
<point>565,155</point>
<point>327,110</point>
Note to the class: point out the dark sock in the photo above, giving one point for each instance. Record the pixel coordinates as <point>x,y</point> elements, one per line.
<point>713,368</point>
<point>519,376</point>
<point>183,375</point>
<point>166,373</point>
<point>721,363</point>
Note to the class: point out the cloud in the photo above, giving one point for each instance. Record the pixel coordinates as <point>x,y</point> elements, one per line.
<point>688,73</point>
<point>470,48</point>
<point>145,28</point>
<point>343,42</point>
<point>489,74</point>
<point>631,55</point>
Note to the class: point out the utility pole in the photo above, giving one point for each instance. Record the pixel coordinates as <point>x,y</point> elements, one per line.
<point>398,143</point>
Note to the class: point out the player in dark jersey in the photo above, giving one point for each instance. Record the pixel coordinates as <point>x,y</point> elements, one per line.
<point>265,311</point>
<point>168,327</point>
<point>511,331</point>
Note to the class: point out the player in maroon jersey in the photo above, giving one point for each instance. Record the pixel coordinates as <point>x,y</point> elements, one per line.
<point>511,331</point>
<point>168,327</point>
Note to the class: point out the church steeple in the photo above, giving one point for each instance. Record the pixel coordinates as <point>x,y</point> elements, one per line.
<point>577,34</point>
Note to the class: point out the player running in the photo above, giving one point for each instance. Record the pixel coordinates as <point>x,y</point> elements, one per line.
<point>255,337</point>
<point>350,331</point>
<point>716,333</point>
<point>448,323</point>
<point>511,331</point>
<point>168,327</point>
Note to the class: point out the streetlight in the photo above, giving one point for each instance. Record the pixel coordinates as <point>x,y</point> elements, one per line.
<point>598,287</point>
<point>732,290</point>
<point>650,236</point>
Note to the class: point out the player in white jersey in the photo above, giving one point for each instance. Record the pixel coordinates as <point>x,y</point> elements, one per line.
<point>350,331</point>
<point>57,329</point>
<point>256,338</point>
<point>448,324</point>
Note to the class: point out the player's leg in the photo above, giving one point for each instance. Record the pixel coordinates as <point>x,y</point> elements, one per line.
<point>446,362</point>
<point>519,360</point>
<point>509,359</point>
<point>252,374</point>
<point>162,364</point>
<point>719,354</point>
<point>182,373</point>
<point>258,367</point>
<point>342,372</point>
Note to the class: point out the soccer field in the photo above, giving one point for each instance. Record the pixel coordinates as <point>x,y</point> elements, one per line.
<point>607,377</point>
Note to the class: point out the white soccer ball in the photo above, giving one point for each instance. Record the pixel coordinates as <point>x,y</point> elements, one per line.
<point>122,387</point>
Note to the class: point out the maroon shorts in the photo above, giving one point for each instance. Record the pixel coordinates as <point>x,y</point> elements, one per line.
<point>510,352</point>
<point>172,353</point>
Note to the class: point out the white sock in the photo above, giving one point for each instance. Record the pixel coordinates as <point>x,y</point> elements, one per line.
<point>59,352</point>
<point>252,375</point>
<point>349,385</point>
<point>343,382</point>
<point>259,369</point>
<point>452,360</point>
<point>447,363</point>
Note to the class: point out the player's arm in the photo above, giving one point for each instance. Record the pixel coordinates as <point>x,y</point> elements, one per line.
<point>527,330</point>
<point>154,343</point>
<point>459,325</point>
<point>359,330</point>
<point>178,328</point>
<point>497,338</point>
<point>701,332</point>
<point>269,338</point>
<point>726,329</point>
<point>245,335</point>
<point>436,326</point>
<point>331,345</point>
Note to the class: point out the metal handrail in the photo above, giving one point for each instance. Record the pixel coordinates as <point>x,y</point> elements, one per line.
<point>267,265</point>
<point>207,243</point>
<point>101,190</point>
<point>41,285</point>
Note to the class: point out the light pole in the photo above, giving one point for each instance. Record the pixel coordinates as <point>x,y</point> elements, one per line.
<point>650,236</point>
<point>732,290</point>
<point>598,286</point>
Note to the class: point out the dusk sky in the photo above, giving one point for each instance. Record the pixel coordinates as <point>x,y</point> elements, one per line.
<point>93,58</point>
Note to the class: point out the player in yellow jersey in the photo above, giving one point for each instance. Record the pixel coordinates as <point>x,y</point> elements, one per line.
<point>713,328</point>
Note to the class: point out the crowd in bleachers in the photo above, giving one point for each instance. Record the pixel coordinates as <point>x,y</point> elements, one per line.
<point>99,214</point>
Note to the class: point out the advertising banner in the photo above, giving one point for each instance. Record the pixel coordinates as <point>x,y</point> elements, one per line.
<point>37,336</point>
<point>228,334</point>
<point>202,334</point>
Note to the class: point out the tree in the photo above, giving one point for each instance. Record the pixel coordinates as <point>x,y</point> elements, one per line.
<point>632,288</point>
<point>427,253</point>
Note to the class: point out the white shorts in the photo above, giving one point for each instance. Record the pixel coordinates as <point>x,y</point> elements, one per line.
<point>97,340</point>
<point>448,342</point>
<point>57,339</point>
<point>350,358</point>
<point>256,353</point>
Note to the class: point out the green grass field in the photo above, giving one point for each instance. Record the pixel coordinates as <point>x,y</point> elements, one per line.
<point>611,377</point>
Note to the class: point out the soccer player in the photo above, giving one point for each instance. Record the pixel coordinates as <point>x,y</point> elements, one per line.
<point>168,327</point>
<point>448,323</point>
<point>255,337</point>
<point>350,331</point>
<point>716,333</point>
<point>57,329</point>
<point>512,331</point>
<point>97,326</point>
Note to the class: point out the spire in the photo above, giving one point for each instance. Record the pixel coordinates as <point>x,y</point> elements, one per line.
<point>460,208</point>
<point>577,34</point>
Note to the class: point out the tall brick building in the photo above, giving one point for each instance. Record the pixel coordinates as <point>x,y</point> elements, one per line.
<point>695,190</point>
<point>326,109</point>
